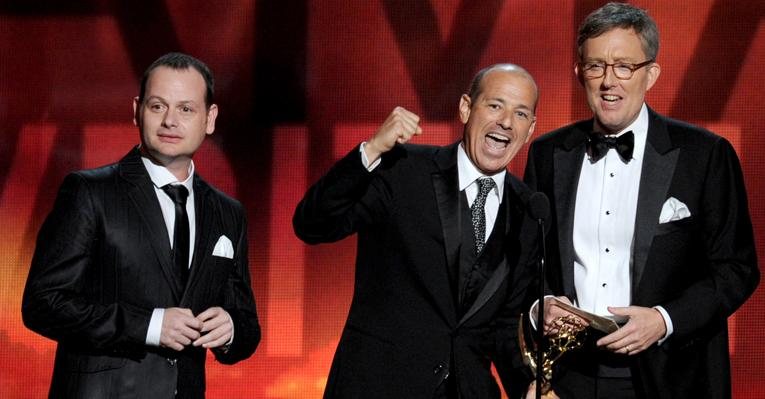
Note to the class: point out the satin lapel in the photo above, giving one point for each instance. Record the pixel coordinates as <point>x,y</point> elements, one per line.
<point>567,165</point>
<point>203,246</point>
<point>510,257</point>
<point>659,161</point>
<point>141,193</point>
<point>447,197</point>
<point>446,189</point>
<point>497,278</point>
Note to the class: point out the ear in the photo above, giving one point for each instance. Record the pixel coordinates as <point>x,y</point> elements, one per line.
<point>465,104</point>
<point>577,74</point>
<point>531,129</point>
<point>135,111</point>
<point>654,70</point>
<point>212,113</point>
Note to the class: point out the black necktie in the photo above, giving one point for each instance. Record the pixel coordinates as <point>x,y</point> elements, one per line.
<point>598,145</point>
<point>178,194</point>
<point>478,214</point>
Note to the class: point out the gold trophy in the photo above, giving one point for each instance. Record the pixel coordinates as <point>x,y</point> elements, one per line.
<point>570,335</point>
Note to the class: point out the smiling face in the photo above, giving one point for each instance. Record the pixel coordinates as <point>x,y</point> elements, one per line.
<point>173,118</point>
<point>499,120</point>
<point>616,103</point>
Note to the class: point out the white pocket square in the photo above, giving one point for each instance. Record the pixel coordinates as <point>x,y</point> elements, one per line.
<point>672,210</point>
<point>223,248</point>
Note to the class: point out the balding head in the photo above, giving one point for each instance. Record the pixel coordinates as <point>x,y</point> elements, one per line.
<point>476,85</point>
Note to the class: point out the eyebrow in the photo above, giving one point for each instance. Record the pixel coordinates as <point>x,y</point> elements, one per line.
<point>627,60</point>
<point>158,98</point>
<point>497,99</point>
<point>501,100</point>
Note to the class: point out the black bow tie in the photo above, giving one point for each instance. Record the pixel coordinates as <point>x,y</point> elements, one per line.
<point>598,145</point>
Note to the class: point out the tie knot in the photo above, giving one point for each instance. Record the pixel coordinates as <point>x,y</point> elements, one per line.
<point>609,141</point>
<point>598,145</point>
<point>485,186</point>
<point>177,192</point>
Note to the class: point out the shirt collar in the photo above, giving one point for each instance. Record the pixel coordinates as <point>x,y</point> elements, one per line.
<point>468,173</point>
<point>160,176</point>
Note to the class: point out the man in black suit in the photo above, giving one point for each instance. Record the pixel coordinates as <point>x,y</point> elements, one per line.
<point>445,248</point>
<point>141,266</point>
<point>650,222</point>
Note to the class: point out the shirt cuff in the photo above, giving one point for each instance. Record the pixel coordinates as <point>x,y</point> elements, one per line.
<point>365,160</point>
<point>533,311</point>
<point>155,327</point>
<point>667,323</point>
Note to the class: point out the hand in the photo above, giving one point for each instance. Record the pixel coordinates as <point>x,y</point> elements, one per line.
<point>179,328</point>
<point>531,393</point>
<point>645,327</point>
<point>553,312</point>
<point>217,328</point>
<point>399,127</point>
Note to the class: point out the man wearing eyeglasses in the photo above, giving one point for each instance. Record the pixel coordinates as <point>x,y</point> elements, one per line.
<point>651,223</point>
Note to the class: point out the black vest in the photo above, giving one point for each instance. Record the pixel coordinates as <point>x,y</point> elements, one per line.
<point>476,269</point>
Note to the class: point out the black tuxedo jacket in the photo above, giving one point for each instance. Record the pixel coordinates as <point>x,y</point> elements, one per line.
<point>103,263</point>
<point>700,269</point>
<point>403,331</point>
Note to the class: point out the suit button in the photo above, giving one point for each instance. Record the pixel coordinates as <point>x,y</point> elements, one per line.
<point>441,371</point>
<point>172,362</point>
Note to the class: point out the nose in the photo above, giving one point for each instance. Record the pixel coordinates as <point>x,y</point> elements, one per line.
<point>169,119</point>
<point>609,77</point>
<point>506,121</point>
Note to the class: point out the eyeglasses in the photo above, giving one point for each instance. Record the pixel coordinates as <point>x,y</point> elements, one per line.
<point>622,70</point>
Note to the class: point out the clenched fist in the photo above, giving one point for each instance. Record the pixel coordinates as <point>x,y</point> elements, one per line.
<point>399,127</point>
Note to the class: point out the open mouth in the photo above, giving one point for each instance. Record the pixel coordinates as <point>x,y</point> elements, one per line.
<point>497,141</point>
<point>610,98</point>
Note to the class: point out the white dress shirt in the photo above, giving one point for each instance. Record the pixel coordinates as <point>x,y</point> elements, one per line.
<point>160,176</point>
<point>604,226</point>
<point>468,176</point>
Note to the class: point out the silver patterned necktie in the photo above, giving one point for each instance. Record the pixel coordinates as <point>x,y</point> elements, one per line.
<point>478,214</point>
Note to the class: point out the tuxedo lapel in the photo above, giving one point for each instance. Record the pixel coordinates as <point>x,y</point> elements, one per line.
<point>142,195</point>
<point>567,166</point>
<point>446,189</point>
<point>489,289</point>
<point>658,168</point>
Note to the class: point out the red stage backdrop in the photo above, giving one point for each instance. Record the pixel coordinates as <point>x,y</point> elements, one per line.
<point>298,84</point>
